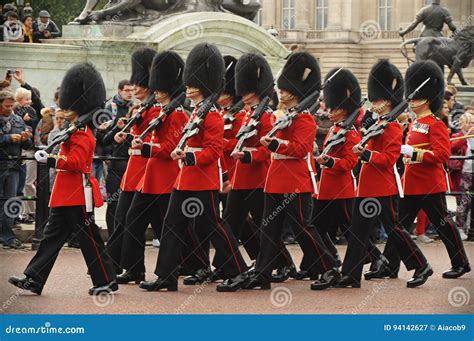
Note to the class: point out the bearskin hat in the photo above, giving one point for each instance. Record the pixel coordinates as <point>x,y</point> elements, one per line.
<point>386,83</point>
<point>141,64</point>
<point>205,69</point>
<point>433,91</point>
<point>230,63</point>
<point>82,89</point>
<point>166,73</point>
<point>301,75</point>
<point>343,91</point>
<point>253,74</point>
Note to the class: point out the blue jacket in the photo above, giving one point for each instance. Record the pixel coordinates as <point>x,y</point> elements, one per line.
<point>12,124</point>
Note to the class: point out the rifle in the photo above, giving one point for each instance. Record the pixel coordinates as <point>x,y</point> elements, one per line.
<point>286,120</point>
<point>229,116</point>
<point>64,135</point>
<point>379,127</point>
<point>250,129</point>
<point>340,137</point>
<point>168,109</point>
<point>192,127</point>
<point>138,115</point>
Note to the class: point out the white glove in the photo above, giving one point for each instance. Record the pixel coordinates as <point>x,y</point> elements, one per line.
<point>41,156</point>
<point>407,150</point>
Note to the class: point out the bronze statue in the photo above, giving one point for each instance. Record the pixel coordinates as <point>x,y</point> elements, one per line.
<point>143,12</point>
<point>456,52</point>
<point>433,17</point>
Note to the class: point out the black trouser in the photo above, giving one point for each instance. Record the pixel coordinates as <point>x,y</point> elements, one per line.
<point>61,223</point>
<point>201,210</point>
<point>114,244</point>
<point>297,208</point>
<point>367,211</point>
<point>112,186</point>
<point>247,229</point>
<point>435,207</point>
<point>144,209</point>
<point>329,215</point>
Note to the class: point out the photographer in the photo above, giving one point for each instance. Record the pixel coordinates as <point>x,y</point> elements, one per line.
<point>44,28</point>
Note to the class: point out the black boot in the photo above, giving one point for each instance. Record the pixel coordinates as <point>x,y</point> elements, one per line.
<point>457,272</point>
<point>258,281</point>
<point>347,282</point>
<point>128,277</point>
<point>380,269</point>
<point>420,276</point>
<point>328,279</point>
<point>27,283</point>
<point>103,289</point>
<point>201,276</point>
<point>216,275</point>
<point>303,274</point>
<point>159,284</point>
<point>283,274</point>
<point>233,284</point>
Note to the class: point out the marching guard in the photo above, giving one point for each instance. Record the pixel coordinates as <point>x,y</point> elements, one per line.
<point>425,180</point>
<point>195,197</point>
<point>75,191</point>
<point>141,63</point>
<point>150,202</point>
<point>290,180</point>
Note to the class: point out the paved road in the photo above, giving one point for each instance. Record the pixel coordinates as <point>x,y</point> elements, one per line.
<point>66,292</point>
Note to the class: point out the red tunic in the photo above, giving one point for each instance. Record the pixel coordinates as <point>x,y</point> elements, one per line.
<point>296,141</point>
<point>230,131</point>
<point>377,177</point>
<point>251,175</point>
<point>136,163</point>
<point>337,182</point>
<point>75,159</point>
<point>424,174</point>
<point>161,170</point>
<point>207,147</point>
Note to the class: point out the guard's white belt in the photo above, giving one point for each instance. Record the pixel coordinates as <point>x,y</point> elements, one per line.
<point>193,149</point>
<point>134,152</point>
<point>249,149</point>
<point>276,156</point>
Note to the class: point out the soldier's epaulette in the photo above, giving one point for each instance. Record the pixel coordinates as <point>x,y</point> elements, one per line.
<point>436,117</point>
<point>213,108</point>
<point>84,128</point>
<point>179,108</point>
<point>306,111</point>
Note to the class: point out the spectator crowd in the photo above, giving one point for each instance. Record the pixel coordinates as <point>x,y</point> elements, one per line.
<point>22,27</point>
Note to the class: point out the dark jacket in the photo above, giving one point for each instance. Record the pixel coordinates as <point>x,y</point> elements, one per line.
<point>52,27</point>
<point>118,149</point>
<point>12,124</point>
<point>35,99</point>
<point>22,111</point>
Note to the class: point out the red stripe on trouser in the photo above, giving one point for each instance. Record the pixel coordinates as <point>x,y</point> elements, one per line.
<point>399,230</point>
<point>309,234</point>
<point>454,232</point>
<point>225,233</point>
<point>95,246</point>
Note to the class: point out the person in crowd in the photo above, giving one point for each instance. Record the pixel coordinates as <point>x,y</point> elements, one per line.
<point>29,115</point>
<point>444,113</point>
<point>458,108</point>
<point>35,94</point>
<point>44,127</point>
<point>323,123</point>
<point>44,27</point>
<point>4,84</point>
<point>59,120</point>
<point>28,36</point>
<point>464,181</point>
<point>121,109</point>
<point>55,104</point>
<point>14,136</point>
<point>12,28</point>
